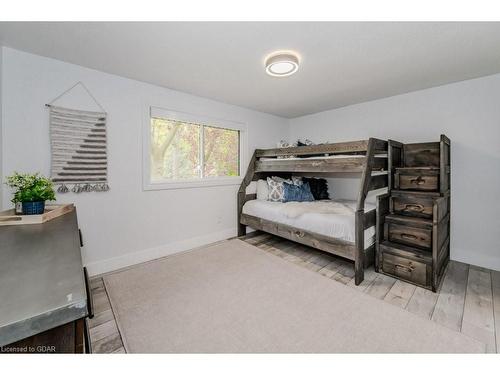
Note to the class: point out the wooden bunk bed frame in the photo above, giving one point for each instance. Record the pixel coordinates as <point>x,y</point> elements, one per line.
<point>375,152</point>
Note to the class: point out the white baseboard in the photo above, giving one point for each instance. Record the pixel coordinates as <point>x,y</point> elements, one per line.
<point>130,259</point>
<point>475,258</point>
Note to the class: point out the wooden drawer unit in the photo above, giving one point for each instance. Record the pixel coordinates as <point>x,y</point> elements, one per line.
<point>412,205</point>
<point>418,179</point>
<point>413,217</point>
<point>407,269</point>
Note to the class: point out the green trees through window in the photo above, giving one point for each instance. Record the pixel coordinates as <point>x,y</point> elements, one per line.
<point>183,150</point>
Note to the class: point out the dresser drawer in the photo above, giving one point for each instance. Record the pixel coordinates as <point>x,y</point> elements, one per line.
<point>406,269</point>
<point>408,205</point>
<point>416,179</point>
<point>408,235</point>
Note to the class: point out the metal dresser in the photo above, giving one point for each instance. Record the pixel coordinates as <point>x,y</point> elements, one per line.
<point>44,291</point>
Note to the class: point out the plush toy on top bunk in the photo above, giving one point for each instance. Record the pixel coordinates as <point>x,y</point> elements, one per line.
<point>298,143</point>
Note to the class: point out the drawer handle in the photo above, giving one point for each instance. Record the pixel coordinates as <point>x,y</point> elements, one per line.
<point>403,268</point>
<point>409,236</point>
<point>414,207</point>
<point>418,181</point>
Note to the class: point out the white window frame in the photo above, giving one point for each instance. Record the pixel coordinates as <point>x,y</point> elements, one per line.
<point>154,111</point>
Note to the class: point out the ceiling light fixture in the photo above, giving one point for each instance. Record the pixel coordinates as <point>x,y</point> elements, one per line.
<point>282,64</point>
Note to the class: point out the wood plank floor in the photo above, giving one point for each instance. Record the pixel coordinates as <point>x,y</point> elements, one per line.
<point>467,301</point>
<point>104,334</point>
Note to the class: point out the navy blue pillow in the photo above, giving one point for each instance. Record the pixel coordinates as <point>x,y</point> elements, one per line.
<point>297,193</point>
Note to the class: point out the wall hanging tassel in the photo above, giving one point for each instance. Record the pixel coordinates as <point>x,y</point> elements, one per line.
<point>62,189</point>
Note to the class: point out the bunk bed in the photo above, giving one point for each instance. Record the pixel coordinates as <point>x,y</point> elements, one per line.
<point>368,159</point>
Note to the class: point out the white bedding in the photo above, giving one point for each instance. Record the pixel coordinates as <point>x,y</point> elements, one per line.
<point>341,156</point>
<point>329,218</point>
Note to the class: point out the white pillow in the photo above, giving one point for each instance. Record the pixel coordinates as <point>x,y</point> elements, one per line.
<point>262,190</point>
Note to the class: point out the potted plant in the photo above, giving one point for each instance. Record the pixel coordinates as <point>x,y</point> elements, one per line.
<point>31,190</point>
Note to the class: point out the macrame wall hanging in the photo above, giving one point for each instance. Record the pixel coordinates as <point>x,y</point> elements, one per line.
<point>78,146</point>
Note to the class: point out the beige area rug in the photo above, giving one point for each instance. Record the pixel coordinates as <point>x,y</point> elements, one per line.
<point>232,297</point>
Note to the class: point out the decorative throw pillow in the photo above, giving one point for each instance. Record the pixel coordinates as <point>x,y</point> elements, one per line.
<point>262,190</point>
<point>296,180</point>
<point>319,188</point>
<point>297,193</point>
<point>280,179</point>
<point>275,190</point>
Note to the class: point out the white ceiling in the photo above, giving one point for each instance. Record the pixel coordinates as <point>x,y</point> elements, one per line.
<point>341,63</point>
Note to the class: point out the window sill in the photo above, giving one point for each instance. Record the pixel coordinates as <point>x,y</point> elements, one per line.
<point>193,184</point>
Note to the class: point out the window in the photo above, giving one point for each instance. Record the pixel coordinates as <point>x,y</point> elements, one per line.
<point>186,150</point>
<point>221,148</point>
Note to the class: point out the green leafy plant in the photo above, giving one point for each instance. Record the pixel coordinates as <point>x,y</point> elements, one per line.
<point>31,187</point>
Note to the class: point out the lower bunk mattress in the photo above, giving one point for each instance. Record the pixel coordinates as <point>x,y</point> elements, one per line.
<point>332,218</point>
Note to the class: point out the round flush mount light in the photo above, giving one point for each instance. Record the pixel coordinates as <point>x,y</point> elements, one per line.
<point>282,64</point>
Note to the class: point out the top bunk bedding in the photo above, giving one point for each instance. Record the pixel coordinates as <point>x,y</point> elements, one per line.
<point>330,218</point>
<point>343,156</point>
<point>351,147</point>
<point>320,164</point>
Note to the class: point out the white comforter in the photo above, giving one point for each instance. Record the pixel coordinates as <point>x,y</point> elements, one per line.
<point>330,218</point>
<point>293,210</point>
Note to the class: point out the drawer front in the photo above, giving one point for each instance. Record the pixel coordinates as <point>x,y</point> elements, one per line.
<point>406,269</point>
<point>412,206</point>
<point>415,181</point>
<point>411,236</point>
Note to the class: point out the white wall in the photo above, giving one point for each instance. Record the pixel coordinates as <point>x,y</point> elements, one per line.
<point>1,159</point>
<point>126,224</point>
<point>469,113</point>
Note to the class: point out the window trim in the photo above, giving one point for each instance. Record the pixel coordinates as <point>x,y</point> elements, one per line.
<point>156,111</point>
